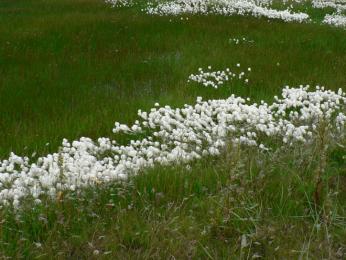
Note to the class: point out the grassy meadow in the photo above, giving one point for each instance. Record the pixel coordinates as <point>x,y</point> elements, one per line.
<point>72,68</point>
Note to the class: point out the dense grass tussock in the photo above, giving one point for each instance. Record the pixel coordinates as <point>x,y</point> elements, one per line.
<point>263,189</point>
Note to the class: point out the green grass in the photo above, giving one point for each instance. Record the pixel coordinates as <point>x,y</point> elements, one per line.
<point>72,68</point>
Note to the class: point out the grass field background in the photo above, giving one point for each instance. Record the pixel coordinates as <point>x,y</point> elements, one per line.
<point>72,68</point>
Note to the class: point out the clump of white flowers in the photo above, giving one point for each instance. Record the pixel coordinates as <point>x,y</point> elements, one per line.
<point>217,78</point>
<point>177,135</point>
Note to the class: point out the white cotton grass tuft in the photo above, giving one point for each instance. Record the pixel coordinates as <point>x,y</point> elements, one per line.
<point>178,135</point>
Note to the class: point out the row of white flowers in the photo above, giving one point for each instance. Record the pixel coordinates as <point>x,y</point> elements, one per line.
<point>173,135</point>
<point>225,7</point>
<point>257,8</point>
<point>339,5</point>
